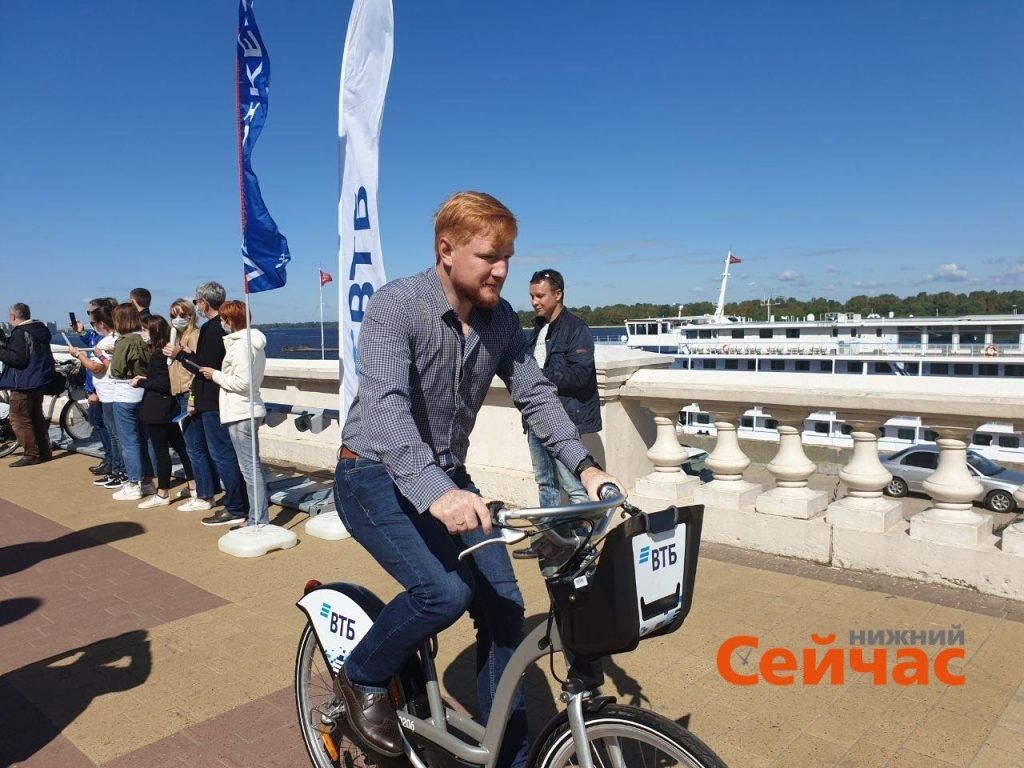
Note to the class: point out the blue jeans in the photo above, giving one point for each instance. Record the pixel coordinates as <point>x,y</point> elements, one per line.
<point>553,476</point>
<point>114,456</point>
<point>134,439</point>
<point>218,442</point>
<point>99,428</point>
<point>419,553</point>
<point>204,471</point>
<point>255,483</point>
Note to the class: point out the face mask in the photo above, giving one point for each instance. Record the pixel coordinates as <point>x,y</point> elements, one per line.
<point>145,337</point>
<point>179,323</point>
<point>225,326</point>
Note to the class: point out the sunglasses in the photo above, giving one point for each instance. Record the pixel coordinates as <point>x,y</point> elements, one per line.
<point>551,276</point>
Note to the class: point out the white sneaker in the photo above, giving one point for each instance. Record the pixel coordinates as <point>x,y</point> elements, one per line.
<point>156,500</point>
<point>184,493</point>
<point>195,505</point>
<point>129,492</point>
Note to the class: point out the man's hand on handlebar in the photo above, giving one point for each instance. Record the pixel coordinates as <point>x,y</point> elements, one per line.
<point>593,478</point>
<point>462,511</point>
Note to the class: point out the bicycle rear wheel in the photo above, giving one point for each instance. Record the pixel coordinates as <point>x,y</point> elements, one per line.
<point>74,419</point>
<point>627,737</point>
<point>325,731</point>
<point>8,442</point>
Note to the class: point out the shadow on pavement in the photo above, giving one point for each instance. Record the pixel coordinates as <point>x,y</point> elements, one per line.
<point>62,687</point>
<point>17,608</point>
<point>19,557</point>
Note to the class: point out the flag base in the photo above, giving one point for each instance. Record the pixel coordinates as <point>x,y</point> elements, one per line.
<point>327,525</point>
<point>253,541</point>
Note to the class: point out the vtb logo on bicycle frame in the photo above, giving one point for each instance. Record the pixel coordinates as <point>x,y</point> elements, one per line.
<point>342,626</point>
<point>658,557</point>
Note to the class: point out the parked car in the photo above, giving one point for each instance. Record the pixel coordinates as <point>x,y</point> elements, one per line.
<point>912,466</point>
<point>695,465</point>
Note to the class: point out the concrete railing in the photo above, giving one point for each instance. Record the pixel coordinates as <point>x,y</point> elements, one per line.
<point>641,396</point>
<point>948,542</point>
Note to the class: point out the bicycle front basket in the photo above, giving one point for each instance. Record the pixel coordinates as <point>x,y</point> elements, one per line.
<point>642,586</point>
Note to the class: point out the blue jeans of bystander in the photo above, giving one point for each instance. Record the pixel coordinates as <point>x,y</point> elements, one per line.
<point>245,442</point>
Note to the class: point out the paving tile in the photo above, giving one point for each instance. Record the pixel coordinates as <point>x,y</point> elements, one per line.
<point>216,693</point>
<point>36,557</point>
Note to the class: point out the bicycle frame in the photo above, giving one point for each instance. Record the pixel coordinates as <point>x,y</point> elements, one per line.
<point>489,738</point>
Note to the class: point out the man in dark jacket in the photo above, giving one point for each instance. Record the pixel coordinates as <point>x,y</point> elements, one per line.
<point>564,350</point>
<point>28,368</point>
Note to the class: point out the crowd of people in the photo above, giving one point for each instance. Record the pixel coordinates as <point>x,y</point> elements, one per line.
<point>156,384</point>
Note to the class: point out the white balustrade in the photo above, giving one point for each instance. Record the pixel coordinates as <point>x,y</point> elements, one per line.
<point>791,468</point>
<point>952,519</point>
<point>667,484</point>
<point>728,489</point>
<point>864,507</point>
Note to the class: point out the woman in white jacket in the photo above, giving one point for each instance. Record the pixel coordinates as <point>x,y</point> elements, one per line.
<point>236,398</point>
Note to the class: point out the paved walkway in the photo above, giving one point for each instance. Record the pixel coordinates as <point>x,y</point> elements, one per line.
<point>127,639</point>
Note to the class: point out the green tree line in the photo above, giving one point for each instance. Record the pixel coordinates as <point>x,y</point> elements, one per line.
<point>924,304</point>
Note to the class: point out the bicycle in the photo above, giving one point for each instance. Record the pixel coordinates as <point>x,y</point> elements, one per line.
<point>68,380</point>
<point>605,600</point>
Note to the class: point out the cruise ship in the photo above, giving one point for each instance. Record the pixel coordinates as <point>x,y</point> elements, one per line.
<point>845,344</point>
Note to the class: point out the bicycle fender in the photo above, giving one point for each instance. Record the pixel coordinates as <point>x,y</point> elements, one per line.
<point>340,614</point>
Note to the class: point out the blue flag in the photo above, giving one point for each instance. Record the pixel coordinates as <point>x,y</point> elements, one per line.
<point>264,248</point>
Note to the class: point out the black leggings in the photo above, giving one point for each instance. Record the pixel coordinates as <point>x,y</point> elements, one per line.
<point>164,437</point>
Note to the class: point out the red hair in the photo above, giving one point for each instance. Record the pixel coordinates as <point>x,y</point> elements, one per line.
<point>233,312</point>
<point>466,214</point>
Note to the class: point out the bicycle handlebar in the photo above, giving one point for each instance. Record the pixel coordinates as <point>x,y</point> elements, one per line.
<point>609,500</point>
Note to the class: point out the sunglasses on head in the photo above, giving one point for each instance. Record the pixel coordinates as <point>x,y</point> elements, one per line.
<point>546,274</point>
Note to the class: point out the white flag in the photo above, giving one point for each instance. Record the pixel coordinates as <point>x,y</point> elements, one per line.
<point>365,68</point>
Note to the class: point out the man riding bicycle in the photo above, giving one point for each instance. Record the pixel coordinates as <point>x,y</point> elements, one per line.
<point>429,346</point>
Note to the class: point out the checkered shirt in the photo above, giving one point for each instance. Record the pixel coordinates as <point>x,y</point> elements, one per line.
<point>421,384</point>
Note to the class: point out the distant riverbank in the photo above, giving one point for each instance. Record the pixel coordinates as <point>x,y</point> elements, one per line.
<point>302,342</point>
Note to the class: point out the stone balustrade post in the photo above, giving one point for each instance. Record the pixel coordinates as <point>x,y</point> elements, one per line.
<point>864,508</point>
<point>667,484</point>
<point>1013,534</point>
<point>791,468</point>
<point>951,519</point>
<point>727,461</point>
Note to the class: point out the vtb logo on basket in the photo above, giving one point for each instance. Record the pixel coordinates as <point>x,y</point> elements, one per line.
<point>658,557</point>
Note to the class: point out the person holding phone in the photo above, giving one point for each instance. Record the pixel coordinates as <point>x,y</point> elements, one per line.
<point>97,366</point>
<point>130,361</point>
<point>159,410</point>
<point>185,333</point>
<point>90,338</point>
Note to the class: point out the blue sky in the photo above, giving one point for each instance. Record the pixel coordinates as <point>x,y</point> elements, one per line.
<point>837,148</point>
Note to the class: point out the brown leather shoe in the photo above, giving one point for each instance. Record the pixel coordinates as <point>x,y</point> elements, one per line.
<point>371,716</point>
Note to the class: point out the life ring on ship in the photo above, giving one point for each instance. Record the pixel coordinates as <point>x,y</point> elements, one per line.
<point>991,350</point>
<point>725,349</point>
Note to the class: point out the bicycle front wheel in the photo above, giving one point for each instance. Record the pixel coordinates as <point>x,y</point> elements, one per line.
<point>74,420</point>
<point>627,737</point>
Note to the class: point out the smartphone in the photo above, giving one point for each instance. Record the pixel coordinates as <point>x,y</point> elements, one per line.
<point>74,320</point>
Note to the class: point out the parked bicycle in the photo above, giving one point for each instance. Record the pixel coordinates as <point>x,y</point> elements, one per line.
<point>610,588</point>
<point>68,381</point>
